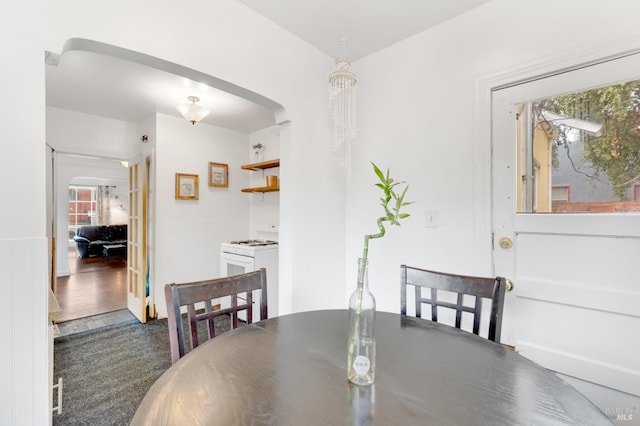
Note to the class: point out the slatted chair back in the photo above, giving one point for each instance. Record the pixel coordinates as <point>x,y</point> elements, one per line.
<point>203,293</point>
<point>492,289</point>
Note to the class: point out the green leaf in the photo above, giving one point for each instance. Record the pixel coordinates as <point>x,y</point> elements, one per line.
<point>378,172</point>
<point>393,214</point>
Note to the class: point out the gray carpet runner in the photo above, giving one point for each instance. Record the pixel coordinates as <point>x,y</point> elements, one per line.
<point>107,371</point>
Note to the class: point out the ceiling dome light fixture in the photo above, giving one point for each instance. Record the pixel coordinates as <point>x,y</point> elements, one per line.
<point>193,112</point>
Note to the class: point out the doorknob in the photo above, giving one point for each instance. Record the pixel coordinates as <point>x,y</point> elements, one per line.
<point>509,285</point>
<point>505,243</point>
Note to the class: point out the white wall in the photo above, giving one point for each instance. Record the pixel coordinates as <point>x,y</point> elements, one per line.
<point>189,232</point>
<point>79,133</point>
<point>23,242</point>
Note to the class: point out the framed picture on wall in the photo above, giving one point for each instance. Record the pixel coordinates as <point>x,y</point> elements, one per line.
<point>218,175</point>
<point>186,186</point>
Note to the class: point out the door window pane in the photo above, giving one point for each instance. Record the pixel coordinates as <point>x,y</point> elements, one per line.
<point>586,141</point>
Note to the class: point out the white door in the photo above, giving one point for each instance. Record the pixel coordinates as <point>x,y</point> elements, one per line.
<point>575,307</point>
<point>137,238</point>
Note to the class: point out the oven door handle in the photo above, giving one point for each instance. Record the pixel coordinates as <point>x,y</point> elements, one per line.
<point>236,257</point>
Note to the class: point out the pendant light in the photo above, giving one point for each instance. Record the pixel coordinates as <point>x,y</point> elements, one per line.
<point>342,109</point>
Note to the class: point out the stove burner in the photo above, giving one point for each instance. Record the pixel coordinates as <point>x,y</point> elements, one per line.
<point>254,243</point>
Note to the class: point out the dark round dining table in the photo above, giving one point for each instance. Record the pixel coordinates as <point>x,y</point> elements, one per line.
<point>291,370</point>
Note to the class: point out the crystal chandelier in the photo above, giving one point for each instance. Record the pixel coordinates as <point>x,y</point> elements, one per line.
<point>342,108</point>
<point>193,112</point>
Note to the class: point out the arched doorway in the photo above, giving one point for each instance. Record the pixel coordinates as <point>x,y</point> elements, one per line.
<point>109,52</point>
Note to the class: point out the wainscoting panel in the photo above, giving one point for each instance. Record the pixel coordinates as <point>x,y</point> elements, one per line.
<point>24,326</point>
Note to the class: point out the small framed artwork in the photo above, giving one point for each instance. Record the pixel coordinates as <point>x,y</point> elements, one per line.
<point>186,186</point>
<point>218,175</point>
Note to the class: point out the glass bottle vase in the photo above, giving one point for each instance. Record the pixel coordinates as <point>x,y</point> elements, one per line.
<point>361,356</point>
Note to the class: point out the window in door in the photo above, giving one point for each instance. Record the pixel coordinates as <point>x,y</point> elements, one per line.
<point>82,207</point>
<point>588,141</point>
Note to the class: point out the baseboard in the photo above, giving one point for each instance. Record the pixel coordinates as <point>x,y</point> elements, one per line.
<point>602,373</point>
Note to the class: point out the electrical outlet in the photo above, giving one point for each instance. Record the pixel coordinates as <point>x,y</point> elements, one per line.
<point>431,219</point>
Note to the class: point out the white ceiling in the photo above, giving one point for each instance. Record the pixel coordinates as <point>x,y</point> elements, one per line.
<point>366,25</point>
<point>110,87</point>
<point>105,86</point>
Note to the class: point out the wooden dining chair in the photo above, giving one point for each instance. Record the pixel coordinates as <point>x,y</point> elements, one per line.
<point>481,288</point>
<point>198,297</point>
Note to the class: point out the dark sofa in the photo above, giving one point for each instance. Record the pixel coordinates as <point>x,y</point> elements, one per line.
<point>91,239</point>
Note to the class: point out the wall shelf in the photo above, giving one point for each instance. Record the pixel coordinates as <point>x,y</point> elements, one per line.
<point>269,164</point>
<point>262,189</point>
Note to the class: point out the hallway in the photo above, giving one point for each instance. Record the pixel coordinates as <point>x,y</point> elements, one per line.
<point>95,286</point>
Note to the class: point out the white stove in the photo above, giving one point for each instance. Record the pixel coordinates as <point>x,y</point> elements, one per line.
<point>248,247</point>
<point>238,257</point>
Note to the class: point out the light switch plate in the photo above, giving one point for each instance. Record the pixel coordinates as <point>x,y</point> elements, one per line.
<point>431,218</point>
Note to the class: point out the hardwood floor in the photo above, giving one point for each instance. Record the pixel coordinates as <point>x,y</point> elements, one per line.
<point>95,286</point>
